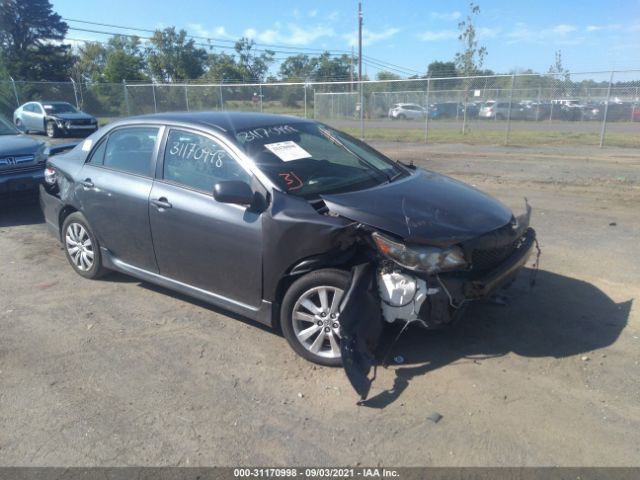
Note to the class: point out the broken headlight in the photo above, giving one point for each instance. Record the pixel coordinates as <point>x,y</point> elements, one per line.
<point>420,258</point>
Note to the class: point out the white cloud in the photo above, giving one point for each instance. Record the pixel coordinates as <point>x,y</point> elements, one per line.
<point>333,16</point>
<point>562,34</point>
<point>313,13</point>
<point>293,35</point>
<point>216,32</point>
<point>446,15</point>
<point>486,32</point>
<point>438,35</point>
<point>369,37</point>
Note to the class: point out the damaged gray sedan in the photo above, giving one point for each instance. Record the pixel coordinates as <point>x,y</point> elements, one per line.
<point>285,221</point>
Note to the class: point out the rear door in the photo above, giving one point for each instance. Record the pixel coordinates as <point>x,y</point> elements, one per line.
<point>114,193</point>
<point>198,241</point>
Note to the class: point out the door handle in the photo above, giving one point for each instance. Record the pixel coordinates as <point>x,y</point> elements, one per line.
<point>87,183</point>
<point>161,203</point>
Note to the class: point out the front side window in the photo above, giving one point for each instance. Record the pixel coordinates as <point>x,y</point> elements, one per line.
<point>130,150</point>
<point>309,159</point>
<point>198,162</point>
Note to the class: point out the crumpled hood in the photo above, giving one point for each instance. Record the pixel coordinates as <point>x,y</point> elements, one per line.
<point>71,116</point>
<point>18,145</point>
<point>426,208</point>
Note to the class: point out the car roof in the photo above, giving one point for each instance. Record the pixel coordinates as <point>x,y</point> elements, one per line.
<point>227,121</point>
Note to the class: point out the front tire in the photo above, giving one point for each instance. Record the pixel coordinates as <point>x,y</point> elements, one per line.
<point>52,130</point>
<point>310,316</point>
<point>81,247</point>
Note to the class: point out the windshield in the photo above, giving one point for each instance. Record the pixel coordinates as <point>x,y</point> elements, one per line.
<point>62,107</point>
<point>6,128</point>
<point>308,159</point>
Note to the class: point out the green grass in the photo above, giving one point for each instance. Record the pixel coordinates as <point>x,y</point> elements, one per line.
<point>519,137</point>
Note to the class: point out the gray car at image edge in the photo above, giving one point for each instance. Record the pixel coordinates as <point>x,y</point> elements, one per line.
<point>282,220</point>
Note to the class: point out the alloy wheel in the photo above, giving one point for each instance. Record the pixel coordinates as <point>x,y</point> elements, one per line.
<point>79,246</point>
<point>316,321</point>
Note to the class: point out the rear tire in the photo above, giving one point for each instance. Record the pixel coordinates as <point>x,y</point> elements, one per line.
<point>81,247</point>
<point>309,316</point>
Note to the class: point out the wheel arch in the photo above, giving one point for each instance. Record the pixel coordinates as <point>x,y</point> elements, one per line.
<point>330,260</point>
<point>64,213</point>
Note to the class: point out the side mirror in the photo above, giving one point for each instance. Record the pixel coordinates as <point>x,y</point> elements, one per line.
<point>233,191</point>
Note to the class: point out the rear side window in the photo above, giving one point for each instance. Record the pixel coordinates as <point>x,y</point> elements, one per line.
<point>199,162</point>
<point>130,150</point>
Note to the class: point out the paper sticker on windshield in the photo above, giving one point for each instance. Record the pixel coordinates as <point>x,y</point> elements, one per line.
<point>288,151</point>
<point>48,106</point>
<point>86,146</point>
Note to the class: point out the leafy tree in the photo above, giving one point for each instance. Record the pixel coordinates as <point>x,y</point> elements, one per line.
<point>222,67</point>
<point>254,66</point>
<point>123,59</point>
<point>30,36</point>
<point>298,68</point>
<point>172,57</point>
<point>440,69</point>
<point>384,75</point>
<point>90,62</point>
<point>557,68</point>
<point>471,59</point>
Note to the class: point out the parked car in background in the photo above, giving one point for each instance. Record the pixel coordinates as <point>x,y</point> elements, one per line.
<point>620,111</point>
<point>407,111</point>
<point>22,160</point>
<point>445,110</point>
<point>538,111</point>
<point>635,113</point>
<point>500,111</point>
<point>54,118</point>
<point>487,109</point>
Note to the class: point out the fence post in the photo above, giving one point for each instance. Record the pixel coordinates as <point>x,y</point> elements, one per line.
<point>361,109</point>
<point>186,95</point>
<point>15,91</point>
<point>426,120</point>
<point>305,100</point>
<point>153,91</point>
<point>126,96</point>
<point>75,92</point>
<point>261,106</point>
<point>221,98</point>
<point>314,103</point>
<point>606,111</point>
<point>513,84</point>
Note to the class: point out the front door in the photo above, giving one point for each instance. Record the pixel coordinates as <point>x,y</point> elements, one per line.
<point>114,193</point>
<point>198,241</point>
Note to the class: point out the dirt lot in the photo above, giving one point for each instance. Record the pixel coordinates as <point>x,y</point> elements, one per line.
<point>118,372</point>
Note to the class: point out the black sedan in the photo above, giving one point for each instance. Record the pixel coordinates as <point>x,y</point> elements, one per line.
<point>54,118</point>
<point>283,220</point>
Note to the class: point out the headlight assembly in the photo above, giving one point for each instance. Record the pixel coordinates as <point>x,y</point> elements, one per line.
<point>420,258</point>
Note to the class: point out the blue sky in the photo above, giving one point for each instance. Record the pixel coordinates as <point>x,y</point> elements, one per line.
<point>593,35</point>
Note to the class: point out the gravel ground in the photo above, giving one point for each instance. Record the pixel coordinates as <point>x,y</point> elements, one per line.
<point>119,372</point>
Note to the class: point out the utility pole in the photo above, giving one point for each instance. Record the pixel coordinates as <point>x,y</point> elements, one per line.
<point>360,90</point>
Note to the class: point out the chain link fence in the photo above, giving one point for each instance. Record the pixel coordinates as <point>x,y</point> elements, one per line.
<point>522,109</point>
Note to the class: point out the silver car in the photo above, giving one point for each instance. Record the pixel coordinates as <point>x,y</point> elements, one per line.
<point>54,118</point>
<point>407,111</point>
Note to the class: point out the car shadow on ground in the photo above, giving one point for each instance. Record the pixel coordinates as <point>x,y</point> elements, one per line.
<point>20,209</point>
<point>558,317</point>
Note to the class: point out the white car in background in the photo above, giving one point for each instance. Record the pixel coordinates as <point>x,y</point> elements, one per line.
<point>407,111</point>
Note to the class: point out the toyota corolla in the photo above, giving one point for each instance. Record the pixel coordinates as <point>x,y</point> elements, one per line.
<point>285,221</point>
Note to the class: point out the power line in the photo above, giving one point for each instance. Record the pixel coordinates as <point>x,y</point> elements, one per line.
<point>288,49</point>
